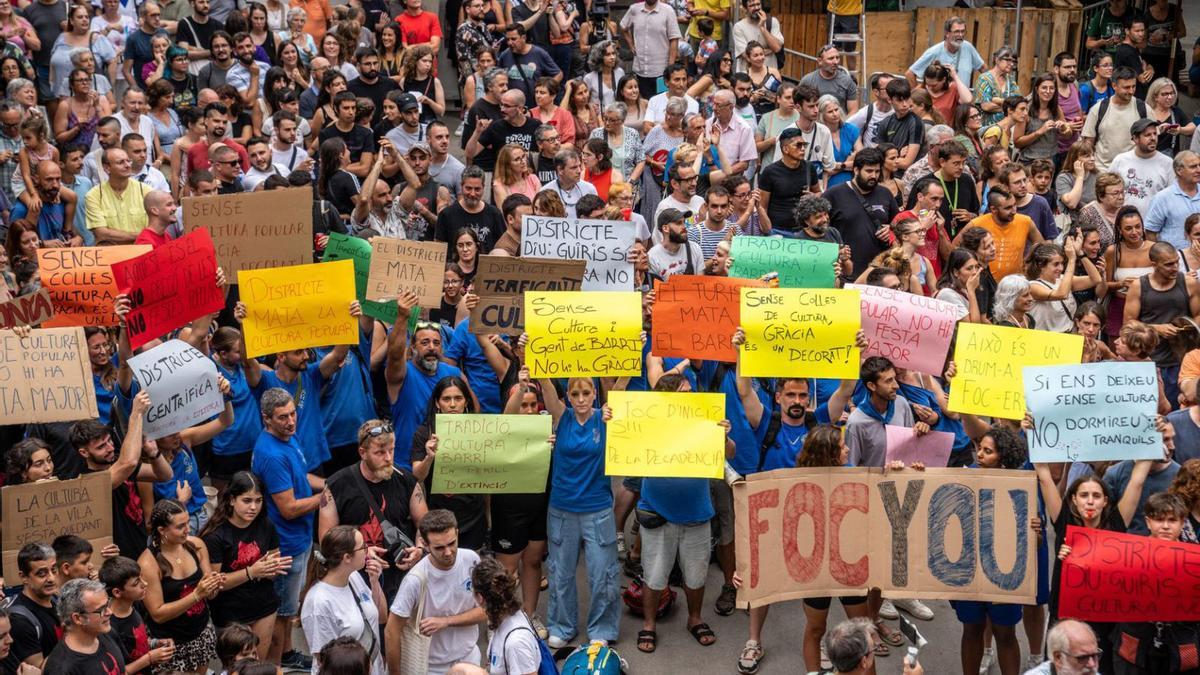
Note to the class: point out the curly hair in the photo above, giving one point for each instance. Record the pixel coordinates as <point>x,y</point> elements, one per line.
<point>1010,446</point>
<point>822,447</point>
<point>1187,483</point>
<point>498,589</point>
<point>807,207</point>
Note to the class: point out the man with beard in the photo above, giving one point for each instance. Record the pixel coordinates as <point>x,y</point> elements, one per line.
<point>783,183</point>
<point>195,34</point>
<point>817,138</point>
<point>409,130</point>
<point>469,210</point>
<point>56,217</point>
<point>1156,300</point>
<point>216,71</point>
<point>954,50</point>
<point>515,208</point>
<point>246,73</point>
<point>261,164</point>
<point>35,625</point>
<point>548,146</point>
<point>286,151</point>
<point>444,168</point>
<point>160,215</point>
<point>87,648</point>
<point>358,139</point>
<point>1073,650</point>
<point>216,121</point>
<point>471,36</point>
<point>485,111</point>
<point>861,209</point>
<point>1066,70</point>
<point>410,384</point>
<point>674,254</point>
<point>525,62</point>
<point>929,197</point>
<point>1010,230</point>
<point>369,84</point>
<point>378,212</point>
<point>418,192</point>
<point>376,497</point>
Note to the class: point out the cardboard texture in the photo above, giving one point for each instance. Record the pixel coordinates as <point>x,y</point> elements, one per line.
<point>255,230</point>
<point>46,377</point>
<point>501,283</point>
<point>81,284</point>
<point>398,266</point>
<point>44,510</point>
<point>32,309</point>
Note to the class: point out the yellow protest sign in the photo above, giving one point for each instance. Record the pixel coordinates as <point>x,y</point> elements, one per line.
<point>800,332</point>
<point>665,434</point>
<point>990,361</point>
<point>298,306</point>
<point>577,334</point>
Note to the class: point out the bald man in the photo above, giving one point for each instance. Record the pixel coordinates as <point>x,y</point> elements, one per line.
<point>55,208</point>
<point>160,215</point>
<point>1073,650</point>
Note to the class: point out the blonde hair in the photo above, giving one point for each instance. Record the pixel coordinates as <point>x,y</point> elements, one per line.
<point>504,170</point>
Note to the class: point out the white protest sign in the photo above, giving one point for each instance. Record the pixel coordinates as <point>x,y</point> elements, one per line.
<point>182,384</point>
<point>603,244</point>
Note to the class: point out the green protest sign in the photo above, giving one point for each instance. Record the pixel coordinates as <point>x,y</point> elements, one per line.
<point>345,247</point>
<point>481,454</point>
<point>800,263</point>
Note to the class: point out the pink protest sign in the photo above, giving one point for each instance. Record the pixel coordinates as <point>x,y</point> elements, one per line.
<point>931,449</point>
<point>913,331</point>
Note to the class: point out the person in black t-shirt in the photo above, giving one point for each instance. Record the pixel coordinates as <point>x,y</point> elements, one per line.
<point>783,183</point>
<point>123,579</point>
<point>486,107</point>
<point>515,126</point>
<point>469,210</point>
<point>861,209</point>
<point>87,647</point>
<point>369,84</point>
<point>546,138</point>
<point>360,141</point>
<point>812,217</point>
<point>35,626</point>
<point>903,129</point>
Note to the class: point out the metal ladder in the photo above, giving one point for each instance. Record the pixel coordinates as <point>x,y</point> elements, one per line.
<point>860,39</point>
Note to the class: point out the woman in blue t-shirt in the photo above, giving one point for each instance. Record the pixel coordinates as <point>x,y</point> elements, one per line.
<point>232,447</point>
<point>185,486</point>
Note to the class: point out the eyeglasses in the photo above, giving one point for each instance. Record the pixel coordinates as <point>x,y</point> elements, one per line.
<point>103,610</point>
<point>428,325</point>
<point>1084,658</point>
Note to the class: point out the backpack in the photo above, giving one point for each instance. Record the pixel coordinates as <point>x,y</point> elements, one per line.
<point>546,666</point>
<point>1141,108</point>
<point>632,596</point>
<point>596,658</point>
<point>810,421</point>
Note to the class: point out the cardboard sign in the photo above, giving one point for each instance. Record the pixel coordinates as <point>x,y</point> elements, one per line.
<point>1112,576</point>
<point>665,434</point>
<point>956,534</point>
<point>991,360</point>
<point>603,244</point>
<point>46,377</point>
<point>32,309</point>
<point>296,307</point>
<point>345,247</point>
<point>44,510</point>
<point>800,263</point>
<point>492,454</point>
<point>182,385</point>
<point>800,333</point>
<point>913,331</point>
<point>255,230</point>
<point>501,283</point>
<point>1093,411</point>
<point>931,449</point>
<point>169,286</point>
<point>80,282</point>
<point>695,317</point>
<point>398,265</point>
<point>577,334</point>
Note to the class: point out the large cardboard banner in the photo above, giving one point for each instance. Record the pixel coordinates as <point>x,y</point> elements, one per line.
<point>603,244</point>
<point>501,283</point>
<point>296,307</point>
<point>492,454</point>
<point>665,434</point>
<point>182,385</point>
<point>255,230</point>
<point>956,534</point>
<point>44,510</point>
<point>577,334</point>
<point>800,263</point>
<point>32,309</point>
<point>399,265</point>
<point>1093,411</point>
<point>46,377</point>
<point>913,331</point>
<point>991,360</point>
<point>800,333</point>
<point>80,282</point>
<point>1112,576</point>
<point>169,286</point>
<point>345,247</point>
<point>695,317</point>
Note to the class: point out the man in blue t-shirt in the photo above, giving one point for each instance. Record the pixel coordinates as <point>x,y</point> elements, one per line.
<point>465,351</point>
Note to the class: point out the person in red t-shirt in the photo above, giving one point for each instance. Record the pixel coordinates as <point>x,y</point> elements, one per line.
<point>160,215</point>
<point>929,197</point>
<point>419,27</point>
<point>216,117</point>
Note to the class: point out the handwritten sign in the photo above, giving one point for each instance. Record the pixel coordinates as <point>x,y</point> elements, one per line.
<point>46,377</point>
<point>489,454</point>
<point>44,510</point>
<point>169,286</point>
<point>800,263</point>
<point>800,333</point>
<point>81,284</point>
<point>398,265</point>
<point>956,534</point>
<point>913,331</point>
<point>931,449</point>
<point>345,247</point>
<point>32,309</point>
<point>1112,576</point>
<point>255,230</point>
<point>501,283</point>
<point>695,316</point>
<point>577,334</point>
<point>990,360</point>
<point>665,434</point>
<point>1093,411</point>
<point>603,244</point>
<point>296,307</point>
<point>182,385</point>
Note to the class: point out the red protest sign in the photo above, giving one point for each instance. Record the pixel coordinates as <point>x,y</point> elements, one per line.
<point>169,286</point>
<point>1110,576</point>
<point>695,316</point>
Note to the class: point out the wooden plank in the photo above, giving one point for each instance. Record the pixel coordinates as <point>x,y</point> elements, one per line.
<point>890,37</point>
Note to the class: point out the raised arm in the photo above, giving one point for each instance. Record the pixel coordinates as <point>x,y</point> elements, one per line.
<point>397,364</point>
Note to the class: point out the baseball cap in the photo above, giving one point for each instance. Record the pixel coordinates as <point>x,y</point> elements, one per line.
<point>672,215</point>
<point>1141,125</point>
<point>407,101</point>
<point>421,146</point>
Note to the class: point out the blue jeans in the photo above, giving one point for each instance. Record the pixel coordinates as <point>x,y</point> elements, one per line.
<point>288,586</point>
<point>598,533</point>
<point>1170,381</point>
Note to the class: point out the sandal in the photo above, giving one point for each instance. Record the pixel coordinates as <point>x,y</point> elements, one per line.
<point>647,641</point>
<point>888,635</point>
<point>881,649</point>
<point>703,634</point>
<point>752,656</point>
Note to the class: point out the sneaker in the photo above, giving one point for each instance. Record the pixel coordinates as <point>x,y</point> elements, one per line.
<point>727,600</point>
<point>620,543</point>
<point>459,131</point>
<point>1033,661</point>
<point>555,642</point>
<point>914,607</point>
<point>989,655</point>
<point>888,611</point>
<point>540,628</point>
<point>752,656</point>
<point>294,660</point>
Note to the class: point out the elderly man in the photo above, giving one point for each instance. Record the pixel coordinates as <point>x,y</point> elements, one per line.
<point>56,216</point>
<point>1170,208</point>
<point>569,183</point>
<point>87,646</point>
<point>1073,650</point>
<point>515,126</point>
<point>115,208</point>
<point>954,50</point>
<point>930,163</point>
<point>160,215</point>
<point>736,136</point>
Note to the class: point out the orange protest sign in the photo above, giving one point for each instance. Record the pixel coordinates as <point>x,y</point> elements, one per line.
<point>695,316</point>
<point>81,284</point>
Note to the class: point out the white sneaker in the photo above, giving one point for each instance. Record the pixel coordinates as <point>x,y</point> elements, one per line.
<point>555,642</point>
<point>914,607</point>
<point>620,544</point>
<point>989,655</point>
<point>1033,661</point>
<point>458,132</point>
<point>888,610</point>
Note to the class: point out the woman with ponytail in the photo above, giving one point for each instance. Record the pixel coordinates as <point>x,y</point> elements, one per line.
<point>513,647</point>
<point>231,448</point>
<point>339,603</point>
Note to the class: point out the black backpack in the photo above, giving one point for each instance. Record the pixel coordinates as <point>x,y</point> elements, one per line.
<point>773,427</point>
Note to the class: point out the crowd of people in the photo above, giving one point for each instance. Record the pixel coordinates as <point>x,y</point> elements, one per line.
<point>1066,203</point>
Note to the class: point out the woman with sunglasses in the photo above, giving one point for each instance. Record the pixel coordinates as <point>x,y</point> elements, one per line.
<point>339,602</point>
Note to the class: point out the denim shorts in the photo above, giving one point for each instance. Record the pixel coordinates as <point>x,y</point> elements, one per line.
<point>288,586</point>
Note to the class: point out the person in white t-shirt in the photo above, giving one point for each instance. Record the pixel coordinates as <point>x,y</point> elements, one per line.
<point>450,614</point>
<point>513,648</point>
<point>286,149</point>
<point>682,181</point>
<point>675,77</point>
<point>675,254</point>
<point>341,603</point>
<point>1144,169</point>
<point>261,166</point>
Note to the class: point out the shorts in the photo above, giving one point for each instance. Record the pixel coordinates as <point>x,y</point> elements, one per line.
<point>633,484</point>
<point>690,545</point>
<point>193,655</point>
<point>288,586</point>
<point>846,25</point>
<point>1000,613</point>
<point>222,467</point>
<point>722,497</point>
<point>823,604</point>
<point>518,520</point>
